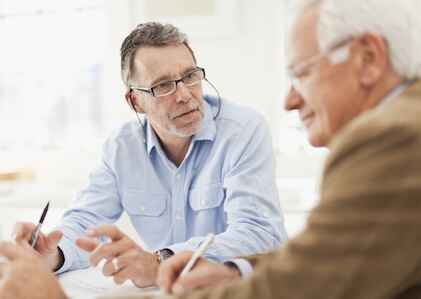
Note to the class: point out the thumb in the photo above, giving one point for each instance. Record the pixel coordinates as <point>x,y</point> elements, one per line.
<point>201,276</point>
<point>87,244</point>
<point>53,239</point>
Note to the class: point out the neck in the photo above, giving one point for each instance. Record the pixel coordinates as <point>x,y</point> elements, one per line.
<point>174,147</point>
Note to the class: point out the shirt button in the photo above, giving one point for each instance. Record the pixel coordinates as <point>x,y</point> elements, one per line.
<point>177,176</point>
<point>142,209</point>
<point>203,202</point>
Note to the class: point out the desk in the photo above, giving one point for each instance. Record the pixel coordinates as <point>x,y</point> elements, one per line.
<point>90,283</point>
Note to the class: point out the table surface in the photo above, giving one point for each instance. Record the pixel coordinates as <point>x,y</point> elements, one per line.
<point>90,283</point>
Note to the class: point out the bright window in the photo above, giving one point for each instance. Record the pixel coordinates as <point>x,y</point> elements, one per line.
<point>51,72</point>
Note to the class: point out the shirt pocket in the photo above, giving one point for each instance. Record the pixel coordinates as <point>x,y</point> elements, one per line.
<point>149,215</point>
<point>142,203</point>
<point>206,197</point>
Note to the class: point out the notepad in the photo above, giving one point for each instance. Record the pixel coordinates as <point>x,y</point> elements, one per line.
<point>91,284</point>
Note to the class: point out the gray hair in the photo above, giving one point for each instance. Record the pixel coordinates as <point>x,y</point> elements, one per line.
<point>152,34</point>
<point>398,22</point>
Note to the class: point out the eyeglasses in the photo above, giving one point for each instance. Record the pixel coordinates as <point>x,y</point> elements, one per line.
<point>169,87</point>
<point>336,55</point>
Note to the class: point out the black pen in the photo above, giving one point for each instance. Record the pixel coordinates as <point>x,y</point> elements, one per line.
<point>35,233</point>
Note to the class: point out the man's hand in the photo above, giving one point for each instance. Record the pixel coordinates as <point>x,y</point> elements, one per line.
<point>24,274</point>
<point>46,245</point>
<point>203,274</point>
<point>125,260</point>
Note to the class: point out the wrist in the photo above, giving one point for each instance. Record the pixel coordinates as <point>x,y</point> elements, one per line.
<point>233,268</point>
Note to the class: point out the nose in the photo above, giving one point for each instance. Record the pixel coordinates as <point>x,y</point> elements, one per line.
<point>293,100</point>
<point>182,92</point>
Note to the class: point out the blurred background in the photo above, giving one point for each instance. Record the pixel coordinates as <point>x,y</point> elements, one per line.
<point>61,92</point>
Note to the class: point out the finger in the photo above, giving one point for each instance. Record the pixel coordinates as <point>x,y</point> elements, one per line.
<point>108,230</point>
<point>127,258</point>
<point>11,251</point>
<point>171,268</point>
<point>109,251</point>
<point>87,244</point>
<point>192,280</point>
<point>23,231</point>
<point>205,274</point>
<point>53,239</point>
<point>121,276</point>
<point>111,267</point>
<point>4,269</point>
<point>41,245</point>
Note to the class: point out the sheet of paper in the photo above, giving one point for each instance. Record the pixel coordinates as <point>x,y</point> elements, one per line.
<point>91,283</point>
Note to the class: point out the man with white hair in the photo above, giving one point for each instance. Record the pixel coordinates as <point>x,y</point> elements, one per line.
<point>355,81</point>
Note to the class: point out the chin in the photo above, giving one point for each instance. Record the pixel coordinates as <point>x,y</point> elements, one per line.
<point>317,140</point>
<point>187,131</point>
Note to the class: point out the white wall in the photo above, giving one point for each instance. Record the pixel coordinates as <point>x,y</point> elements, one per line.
<point>246,65</point>
<point>245,60</point>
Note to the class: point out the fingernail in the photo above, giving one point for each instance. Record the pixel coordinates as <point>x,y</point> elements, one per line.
<point>178,289</point>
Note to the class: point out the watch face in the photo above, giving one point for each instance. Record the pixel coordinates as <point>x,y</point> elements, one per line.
<point>165,254</point>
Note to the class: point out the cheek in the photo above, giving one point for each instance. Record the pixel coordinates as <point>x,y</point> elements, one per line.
<point>197,95</point>
<point>159,114</point>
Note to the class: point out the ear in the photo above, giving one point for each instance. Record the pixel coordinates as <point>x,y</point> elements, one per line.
<point>132,100</point>
<point>373,58</point>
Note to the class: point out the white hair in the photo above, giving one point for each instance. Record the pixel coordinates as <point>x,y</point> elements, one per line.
<point>397,21</point>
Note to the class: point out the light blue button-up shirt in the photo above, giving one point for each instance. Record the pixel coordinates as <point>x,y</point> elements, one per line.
<point>225,186</point>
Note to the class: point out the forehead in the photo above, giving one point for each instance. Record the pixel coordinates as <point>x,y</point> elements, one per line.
<point>302,37</point>
<point>155,62</point>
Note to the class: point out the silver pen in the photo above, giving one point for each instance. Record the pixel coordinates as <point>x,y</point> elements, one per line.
<point>35,232</point>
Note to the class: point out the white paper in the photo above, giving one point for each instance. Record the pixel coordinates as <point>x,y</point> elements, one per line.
<point>90,283</point>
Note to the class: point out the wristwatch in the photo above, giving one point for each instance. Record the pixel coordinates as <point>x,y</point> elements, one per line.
<point>163,254</point>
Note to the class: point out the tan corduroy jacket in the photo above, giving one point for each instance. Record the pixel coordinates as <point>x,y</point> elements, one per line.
<point>363,241</point>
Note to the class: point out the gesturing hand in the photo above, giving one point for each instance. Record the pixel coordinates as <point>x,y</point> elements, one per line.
<point>125,260</point>
<point>46,245</point>
<point>24,275</point>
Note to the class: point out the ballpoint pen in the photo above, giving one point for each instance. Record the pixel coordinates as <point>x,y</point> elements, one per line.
<point>202,248</point>
<point>35,233</point>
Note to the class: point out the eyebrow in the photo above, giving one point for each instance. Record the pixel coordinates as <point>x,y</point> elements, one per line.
<point>164,78</point>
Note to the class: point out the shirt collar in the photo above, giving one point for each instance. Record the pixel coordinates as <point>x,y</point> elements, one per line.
<point>397,90</point>
<point>206,132</point>
<point>151,138</point>
<point>208,129</point>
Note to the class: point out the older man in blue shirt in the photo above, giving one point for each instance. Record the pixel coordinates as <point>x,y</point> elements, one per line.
<point>194,166</point>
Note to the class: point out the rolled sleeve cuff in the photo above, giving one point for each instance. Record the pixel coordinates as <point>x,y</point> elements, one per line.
<point>176,248</point>
<point>243,266</point>
<point>67,253</point>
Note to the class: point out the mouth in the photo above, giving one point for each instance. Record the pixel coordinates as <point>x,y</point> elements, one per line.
<point>185,113</point>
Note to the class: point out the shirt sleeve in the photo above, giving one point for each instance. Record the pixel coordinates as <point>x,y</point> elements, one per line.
<point>98,203</point>
<point>255,222</point>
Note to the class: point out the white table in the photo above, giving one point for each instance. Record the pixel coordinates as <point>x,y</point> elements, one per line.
<point>90,283</point>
